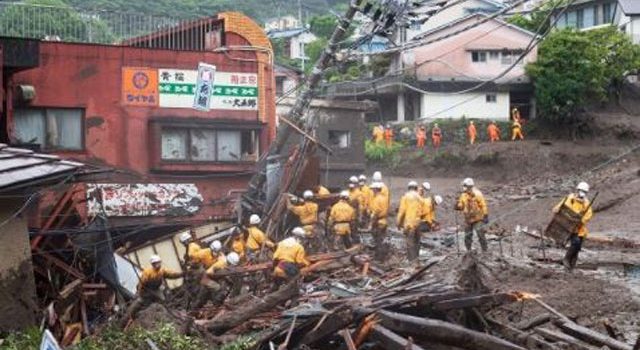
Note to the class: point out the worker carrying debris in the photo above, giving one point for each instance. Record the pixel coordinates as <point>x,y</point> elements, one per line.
<point>428,221</point>
<point>212,287</point>
<point>289,257</point>
<point>436,136</point>
<point>256,239</point>
<point>341,218</point>
<point>408,219</point>
<point>475,211</point>
<point>149,287</point>
<point>307,213</point>
<point>379,210</point>
<point>579,204</point>
<point>493,131</point>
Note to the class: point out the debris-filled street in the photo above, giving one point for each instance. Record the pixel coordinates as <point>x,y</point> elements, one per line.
<point>335,174</point>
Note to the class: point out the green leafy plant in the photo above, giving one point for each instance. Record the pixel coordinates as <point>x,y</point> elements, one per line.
<point>380,152</point>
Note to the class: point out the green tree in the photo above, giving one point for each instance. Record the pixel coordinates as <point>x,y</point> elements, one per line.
<point>323,26</point>
<point>313,51</point>
<point>538,19</point>
<point>575,67</point>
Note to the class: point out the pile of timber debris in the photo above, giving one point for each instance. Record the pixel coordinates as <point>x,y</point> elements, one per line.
<point>357,305</point>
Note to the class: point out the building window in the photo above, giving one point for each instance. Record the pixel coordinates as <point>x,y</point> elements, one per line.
<point>494,55</point>
<point>607,15</point>
<point>280,86</point>
<point>478,56</point>
<point>340,138</point>
<point>208,145</point>
<point>507,57</point>
<point>580,19</point>
<point>589,17</point>
<point>51,128</point>
<point>491,98</point>
<point>572,19</point>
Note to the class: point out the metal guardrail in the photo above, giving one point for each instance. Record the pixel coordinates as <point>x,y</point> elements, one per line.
<point>80,25</point>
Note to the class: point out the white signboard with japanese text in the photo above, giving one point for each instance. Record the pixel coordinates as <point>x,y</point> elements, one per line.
<point>231,91</point>
<point>204,86</point>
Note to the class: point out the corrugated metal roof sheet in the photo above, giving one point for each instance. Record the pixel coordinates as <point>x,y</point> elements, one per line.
<point>21,167</point>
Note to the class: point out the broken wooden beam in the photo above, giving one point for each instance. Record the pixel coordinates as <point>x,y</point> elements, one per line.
<point>230,320</point>
<point>533,322</point>
<point>347,339</point>
<point>526,339</point>
<point>475,301</point>
<point>443,332</point>
<point>329,325</point>
<point>561,337</point>
<point>391,341</point>
<point>590,336</point>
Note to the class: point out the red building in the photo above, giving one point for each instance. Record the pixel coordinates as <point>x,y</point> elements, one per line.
<point>129,107</point>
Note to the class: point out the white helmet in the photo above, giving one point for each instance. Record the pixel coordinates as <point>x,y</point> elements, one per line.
<point>233,258</point>
<point>298,232</point>
<point>376,185</point>
<point>307,194</point>
<point>438,199</point>
<point>468,182</point>
<point>426,186</point>
<point>344,195</point>
<point>254,219</point>
<point>362,177</point>
<point>215,246</point>
<point>185,237</point>
<point>412,184</point>
<point>583,186</point>
<point>155,259</point>
<point>377,176</point>
<point>353,179</point>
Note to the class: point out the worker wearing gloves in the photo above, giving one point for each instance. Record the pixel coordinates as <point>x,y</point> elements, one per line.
<point>289,257</point>
<point>475,211</point>
<point>379,210</point>
<point>341,218</point>
<point>149,286</point>
<point>472,132</point>
<point>377,177</point>
<point>408,219</point>
<point>516,130</point>
<point>579,204</point>
<point>307,213</point>
<point>436,136</point>
<point>494,132</point>
<point>378,134</point>
<point>256,239</point>
<point>428,221</point>
<point>213,287</point>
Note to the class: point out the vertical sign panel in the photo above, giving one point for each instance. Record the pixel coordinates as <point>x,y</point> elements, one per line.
<point>204,87</point>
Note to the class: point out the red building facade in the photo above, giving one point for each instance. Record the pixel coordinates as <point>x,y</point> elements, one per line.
<point>129,107</point>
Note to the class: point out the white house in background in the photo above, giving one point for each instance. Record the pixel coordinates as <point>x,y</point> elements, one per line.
<point>296,39</point>
<point>287,78</point>
<point>628,18</point>
<point>459,10</point>
<point>281,23</point>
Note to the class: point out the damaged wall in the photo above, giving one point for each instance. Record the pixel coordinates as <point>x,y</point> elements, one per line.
<point>17,286</point>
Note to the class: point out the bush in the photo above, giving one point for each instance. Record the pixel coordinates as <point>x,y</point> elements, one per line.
<point>380,152</point>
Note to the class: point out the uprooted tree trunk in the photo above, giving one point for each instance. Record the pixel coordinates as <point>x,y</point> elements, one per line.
<point>238,316</point>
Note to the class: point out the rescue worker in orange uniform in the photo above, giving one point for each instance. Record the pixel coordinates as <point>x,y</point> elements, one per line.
<point>289,257</point>
<point>476,213</point>
<point>388,135</point>
<point>516,130</point>
<point>421,136</point>
<point>436,136</point>
<point>256,239</point>
<point>149,287</point>
<point>341,219</point>
<point>379,210</point>
<point>214,287</point>
<point>307,213</point>
<point>493,131</point>
<point>579,204</point>
<point>378,134</point>
<point>472,132</point>
<point>408,219</point>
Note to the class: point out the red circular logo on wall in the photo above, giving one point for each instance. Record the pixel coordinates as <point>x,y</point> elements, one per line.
<point>140,80</point>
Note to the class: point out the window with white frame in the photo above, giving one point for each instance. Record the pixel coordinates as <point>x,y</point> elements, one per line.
<point>208,145</point>
<point>51,128</point>
<point>491,98</point>
<point>478,56</point>
<point>494,55</point>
